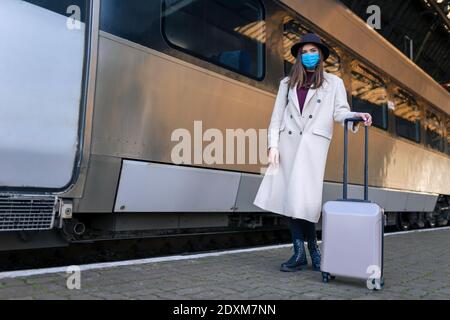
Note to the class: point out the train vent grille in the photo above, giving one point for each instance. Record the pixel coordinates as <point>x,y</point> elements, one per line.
<point>21,213</point>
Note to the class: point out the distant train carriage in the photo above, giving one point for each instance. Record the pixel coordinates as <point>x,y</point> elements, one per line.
<point>95,95</point>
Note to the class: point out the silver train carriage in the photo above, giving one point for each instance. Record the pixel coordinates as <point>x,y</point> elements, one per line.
<point>109,107</point>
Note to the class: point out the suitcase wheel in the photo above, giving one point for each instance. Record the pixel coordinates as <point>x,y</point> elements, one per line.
<point>326,277</point>
<point>378,285</point>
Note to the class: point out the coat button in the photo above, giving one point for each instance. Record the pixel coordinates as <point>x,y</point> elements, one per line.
<point>310,116</point>
<point>319,101</point>
<point>291,116</point>
<point>290,131</point>
<point>301,132</point>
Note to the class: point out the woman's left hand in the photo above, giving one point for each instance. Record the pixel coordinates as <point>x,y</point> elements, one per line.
<point>366,117</point>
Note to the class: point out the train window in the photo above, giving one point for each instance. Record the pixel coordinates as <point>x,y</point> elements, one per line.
<point>369,94</point>
<point>64,7</point>
<point>134,20</point>
<point>407,115</point>
<point>293,31</point>
<point>434,135</point>
<point>229,33</point>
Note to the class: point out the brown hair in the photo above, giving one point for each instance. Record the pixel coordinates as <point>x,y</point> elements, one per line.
<point>298,72</point>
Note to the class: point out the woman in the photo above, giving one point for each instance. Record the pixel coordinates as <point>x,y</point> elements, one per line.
<point>308,102</point>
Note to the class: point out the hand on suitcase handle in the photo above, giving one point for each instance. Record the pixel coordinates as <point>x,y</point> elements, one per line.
<point>361,117</point>
<point>355,119</point>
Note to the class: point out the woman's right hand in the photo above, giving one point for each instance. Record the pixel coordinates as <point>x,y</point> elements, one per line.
<point>274,156</point>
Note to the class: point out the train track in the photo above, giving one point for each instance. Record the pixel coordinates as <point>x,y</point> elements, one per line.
<point>112,250</point>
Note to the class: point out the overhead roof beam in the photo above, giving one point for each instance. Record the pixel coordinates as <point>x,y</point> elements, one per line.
<point>440,12</point>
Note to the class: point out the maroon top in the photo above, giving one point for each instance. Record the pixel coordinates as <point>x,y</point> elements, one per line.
<point>302,92</point>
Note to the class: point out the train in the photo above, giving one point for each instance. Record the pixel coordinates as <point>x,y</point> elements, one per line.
<point>149,118</point>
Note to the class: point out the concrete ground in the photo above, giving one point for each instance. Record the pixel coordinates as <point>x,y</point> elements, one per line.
<point>417,266</point>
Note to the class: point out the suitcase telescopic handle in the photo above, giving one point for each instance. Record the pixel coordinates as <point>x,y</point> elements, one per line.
<point>366,170</point>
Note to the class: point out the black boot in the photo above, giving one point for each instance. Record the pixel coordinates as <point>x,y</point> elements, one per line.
<point>309,230</point>
<point>298,260</point>
<point>299,257</point>
<point>291,259</point>
<point>314,252</point>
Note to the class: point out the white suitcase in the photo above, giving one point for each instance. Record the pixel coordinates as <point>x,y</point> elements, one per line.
<point>353,232</point>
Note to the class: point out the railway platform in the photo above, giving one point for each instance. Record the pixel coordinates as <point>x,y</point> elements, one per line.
<point>417,266</point>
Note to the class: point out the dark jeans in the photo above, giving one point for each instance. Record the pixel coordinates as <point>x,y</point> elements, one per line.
<point>302,229</point>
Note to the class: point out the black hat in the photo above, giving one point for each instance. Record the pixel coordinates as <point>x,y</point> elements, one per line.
<point>311,38</point>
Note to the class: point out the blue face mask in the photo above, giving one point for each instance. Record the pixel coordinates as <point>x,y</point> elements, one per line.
<point>310,60</point>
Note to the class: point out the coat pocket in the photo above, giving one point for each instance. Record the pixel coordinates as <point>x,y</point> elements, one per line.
<point>322,132</point>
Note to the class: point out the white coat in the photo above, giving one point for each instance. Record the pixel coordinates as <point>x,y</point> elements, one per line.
<point>294,187</point>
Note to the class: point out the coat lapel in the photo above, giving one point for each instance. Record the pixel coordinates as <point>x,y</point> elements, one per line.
<point>311,92</point>
<point>293,96</point>
<point>309,95</point>
<point>313,96</point>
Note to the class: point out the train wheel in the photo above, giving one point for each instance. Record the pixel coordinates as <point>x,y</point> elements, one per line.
<point>431,219</point>
<point>442,222</point>
<point>420,220</point>
<point>403,222</point>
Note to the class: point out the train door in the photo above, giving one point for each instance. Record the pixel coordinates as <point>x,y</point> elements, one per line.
<point>42,59</point>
